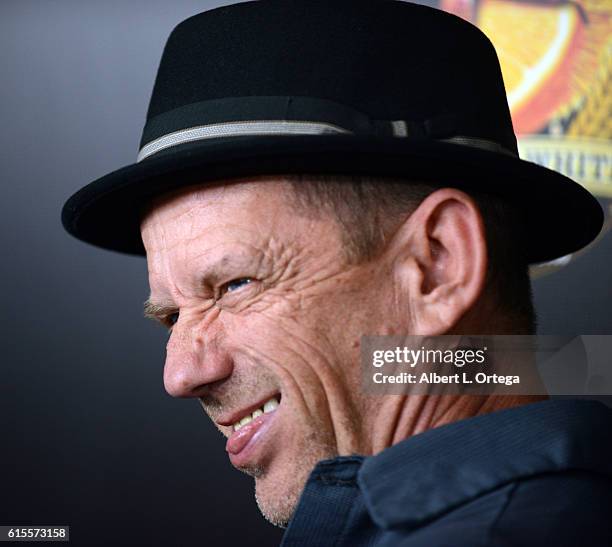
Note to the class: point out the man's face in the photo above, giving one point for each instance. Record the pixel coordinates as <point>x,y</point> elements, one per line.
<point>269,312</point>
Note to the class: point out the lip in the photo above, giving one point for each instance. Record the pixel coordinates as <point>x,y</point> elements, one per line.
<point>243,444</point>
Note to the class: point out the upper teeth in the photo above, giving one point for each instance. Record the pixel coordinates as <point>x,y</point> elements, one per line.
<point>269,406</point>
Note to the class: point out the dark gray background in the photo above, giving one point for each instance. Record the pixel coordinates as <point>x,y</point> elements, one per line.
<point>88,436</point>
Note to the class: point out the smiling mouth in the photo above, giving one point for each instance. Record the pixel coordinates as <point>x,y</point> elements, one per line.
<point>269,406</point>
<point>246,440</point>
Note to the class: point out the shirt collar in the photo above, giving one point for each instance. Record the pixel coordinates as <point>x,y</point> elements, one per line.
<point>432,472</point>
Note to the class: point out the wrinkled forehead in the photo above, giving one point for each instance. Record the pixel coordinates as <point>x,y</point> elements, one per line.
<point>211,209</point>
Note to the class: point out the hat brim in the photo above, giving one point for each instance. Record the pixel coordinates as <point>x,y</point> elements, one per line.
<point>561,215</point>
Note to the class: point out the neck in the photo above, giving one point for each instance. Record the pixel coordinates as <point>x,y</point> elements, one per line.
<point>394,418</point>
<point>399,416</point>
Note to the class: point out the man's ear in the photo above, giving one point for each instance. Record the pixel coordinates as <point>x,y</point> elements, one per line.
<point>441,260</point>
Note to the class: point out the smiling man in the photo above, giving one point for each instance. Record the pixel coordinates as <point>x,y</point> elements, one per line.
<point>266,305</point>
<point>313,172</point>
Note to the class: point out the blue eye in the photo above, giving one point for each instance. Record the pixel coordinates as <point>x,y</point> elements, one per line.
<point>172,318</point>
<point>236,284</point>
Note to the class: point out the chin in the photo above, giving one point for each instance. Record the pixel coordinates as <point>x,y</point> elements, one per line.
<point>276,498</point>
<point>278,486</point>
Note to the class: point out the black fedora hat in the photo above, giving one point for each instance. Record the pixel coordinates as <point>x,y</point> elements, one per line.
<point>382,87</point>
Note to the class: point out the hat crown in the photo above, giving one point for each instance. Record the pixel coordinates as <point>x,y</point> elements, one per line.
<point>382,88</point>
<point>389,60</point>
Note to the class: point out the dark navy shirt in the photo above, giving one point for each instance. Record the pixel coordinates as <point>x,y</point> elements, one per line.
<point>539,474</point>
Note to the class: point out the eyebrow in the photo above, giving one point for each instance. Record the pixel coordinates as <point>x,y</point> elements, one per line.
<point>212,273</point>
<point>157,312</point>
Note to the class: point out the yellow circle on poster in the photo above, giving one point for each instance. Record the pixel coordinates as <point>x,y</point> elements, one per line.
<point>556,59</point>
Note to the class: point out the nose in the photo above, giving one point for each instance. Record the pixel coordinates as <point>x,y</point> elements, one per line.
<point>195,358</point>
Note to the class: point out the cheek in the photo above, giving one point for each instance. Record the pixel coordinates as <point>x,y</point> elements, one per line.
<point>308,334</point>
<point>311,366</point>
<point>286,327</point>
<point>280,342</point>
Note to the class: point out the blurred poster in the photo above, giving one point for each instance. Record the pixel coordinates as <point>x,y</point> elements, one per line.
<point>556,59</point>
